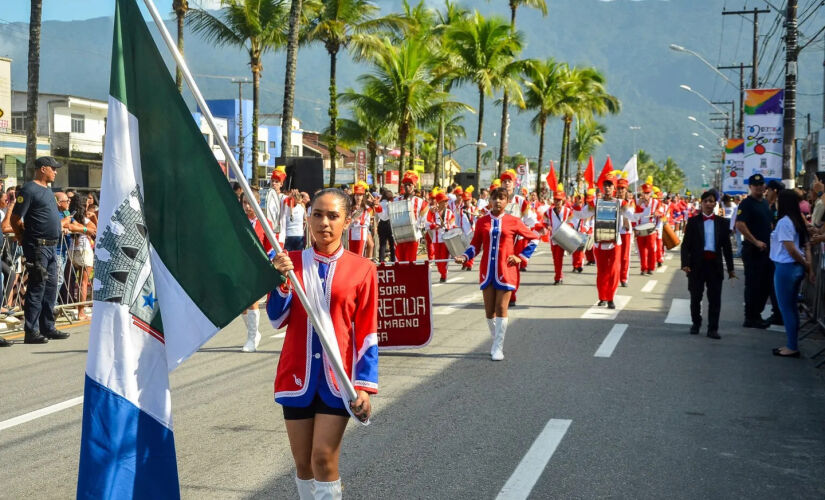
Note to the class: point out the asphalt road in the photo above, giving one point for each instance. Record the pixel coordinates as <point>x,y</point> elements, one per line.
<point>658,414</point>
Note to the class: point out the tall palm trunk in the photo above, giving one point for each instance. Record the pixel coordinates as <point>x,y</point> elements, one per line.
<point>289,78</point>
<point>505,105</point>
<point>180,7</point>
<point>567,125</point>
<point>33,84</point>
<point>372,150</point>
<point>403,130</point>
<point>564,139</point>
<point>256,86</point>
<point>333,114</point>
<point>579,175</point>
<point>439,153</point>
<point>542,124</point>
<point>479,135</point>
<point>412,151</point>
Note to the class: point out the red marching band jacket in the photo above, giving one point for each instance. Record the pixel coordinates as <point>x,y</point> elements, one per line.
<point>351,287</point>
<point>495,237</point>
<point>436,227</point>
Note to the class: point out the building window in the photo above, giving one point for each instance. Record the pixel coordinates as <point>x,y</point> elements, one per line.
<point>262,146</point>
<point>78,124</point>
<point>18,120</point>
<point>295,150</point>
<point>272,145</point>
<point>208,139</point>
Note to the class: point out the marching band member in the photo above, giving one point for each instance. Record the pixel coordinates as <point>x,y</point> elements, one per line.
<point>553,219</point>
<point>590,201</point>
<point>608,253</point>
<point>484,198</point>
<point>276,204</point>
<point>647,211</point>
<point>360,233</point>
<point>465,219</point>
<point>621,193</point>
<point>456,199</point>
<point>432,207</point>
<point>345,286</point>
<point>252,316</point>
<point>582,226</point>
<point>440,219</point>
<point>494,236</point>
<point>408,251</point>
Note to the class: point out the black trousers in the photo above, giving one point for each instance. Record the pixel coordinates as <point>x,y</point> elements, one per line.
<point>41,290</point>
<point>385,241</point>
<point>698,281</point>
<point>758,281</point>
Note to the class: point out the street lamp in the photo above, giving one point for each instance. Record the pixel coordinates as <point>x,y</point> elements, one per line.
<point>679,48</point>
<point>718,137</point>
<point>478,144</point>
<point>714,106</point>
<point>633,129</point>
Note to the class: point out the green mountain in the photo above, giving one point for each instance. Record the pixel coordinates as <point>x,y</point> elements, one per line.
<point>627,40</point>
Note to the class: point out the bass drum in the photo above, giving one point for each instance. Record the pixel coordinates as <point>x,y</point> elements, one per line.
<point>568,238</point>
<point>669,237</point>
<point>403,222</point>
<point>456,241</point>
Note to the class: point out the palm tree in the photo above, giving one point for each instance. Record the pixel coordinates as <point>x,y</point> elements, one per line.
<point>339,24</point>
<point>296,8</point>
<point>589,135</point>
<point>180,7</point>
<point>254,25</point>
<point>544,92</point>
<point>364,128</point>
<point>33,83</point>
<point>482,49</point>
<point>505,99</point>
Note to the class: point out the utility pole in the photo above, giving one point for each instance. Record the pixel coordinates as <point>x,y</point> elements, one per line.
<point>789,121</point>
<point>727,126</point>
<point>741,68</point>
<point>731,117</point>
<point>241,138</point>
<point>755,12</point>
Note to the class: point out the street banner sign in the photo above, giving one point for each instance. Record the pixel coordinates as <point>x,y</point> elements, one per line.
<point>361,161</point>
<point>404,305</point>
<point>734,178</point>
<point>763,133</point>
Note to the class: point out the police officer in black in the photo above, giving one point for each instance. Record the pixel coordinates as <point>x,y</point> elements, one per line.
<point>36,224</point>
<point>754,221</point>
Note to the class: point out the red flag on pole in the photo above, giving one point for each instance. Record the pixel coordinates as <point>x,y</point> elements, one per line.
<point>590,174</point>
<point>551,178</point>
<point>608,167</point>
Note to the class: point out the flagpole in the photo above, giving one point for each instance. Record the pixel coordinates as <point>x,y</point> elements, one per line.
<point>343,380</point>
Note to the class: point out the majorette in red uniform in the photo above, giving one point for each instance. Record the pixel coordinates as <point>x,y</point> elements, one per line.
<point>494,237</point>
<point>277,204</point>
<point>648,210</point>
<point>408,251</point>
<point>359,229</point>
<point>553,219</point>
<point>440,219</point>
<point>621,192</point>
<point>608,253</point>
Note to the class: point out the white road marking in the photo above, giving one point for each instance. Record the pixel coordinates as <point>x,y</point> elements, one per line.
<point>278,335</point>
<point>603,312</point>
<point>777,328</point>
<point>449,280</point>
<point>533,463</point>
<point>649,286</point>
<point>679,313</point>
<point>457,305</point>
<point>668,256</point>
<point>28,417</point>
<point>611,341</point>
<point>661,269</point>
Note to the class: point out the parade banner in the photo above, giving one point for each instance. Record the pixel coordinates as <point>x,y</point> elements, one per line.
<point>734,178</point>
<point>763,133</point>
<point>404,305</point>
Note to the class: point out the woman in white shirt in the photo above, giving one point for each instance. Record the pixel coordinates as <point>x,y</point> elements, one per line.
<point>295,222</point>
<point>791,255</point>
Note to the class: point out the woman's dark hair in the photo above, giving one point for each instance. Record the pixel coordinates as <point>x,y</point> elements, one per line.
<point>498,193</point>
<point>788,205</point>
<point>343,197</point>
<point>77,206</point>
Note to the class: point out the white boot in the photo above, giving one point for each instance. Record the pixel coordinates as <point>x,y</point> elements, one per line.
<point>497,353</point>
<point>253,336</point>
<point>491,324</point>
<point>306,488</point>
<point>328,491</point>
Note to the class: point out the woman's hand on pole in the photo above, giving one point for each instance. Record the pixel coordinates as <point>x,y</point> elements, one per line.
<point>361,407</point>
<point>282,263</point>
<point>461,259</point>
<point>513,260</point>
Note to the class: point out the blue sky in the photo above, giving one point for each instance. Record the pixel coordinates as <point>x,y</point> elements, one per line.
<point>69,10</point>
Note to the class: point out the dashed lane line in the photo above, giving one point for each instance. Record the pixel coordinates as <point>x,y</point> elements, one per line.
<point>449,280</point>
<point>603,312</point>
<point>611,341</point>
<point>679,313</point>
<point>661,269</point>
<point>456,305</point>
<point>649,286</point>
<point>28,417</point>
<point>528,471</point>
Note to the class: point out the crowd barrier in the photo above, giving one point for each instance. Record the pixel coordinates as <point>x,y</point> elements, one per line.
<point>74,277</point>
<point>813,300</point>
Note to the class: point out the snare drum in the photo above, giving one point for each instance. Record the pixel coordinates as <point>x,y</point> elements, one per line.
<point>403,222</point>
<point>645,229</point>
<point>568,238</point>
<point>456,241</point>
<point>606,222</point>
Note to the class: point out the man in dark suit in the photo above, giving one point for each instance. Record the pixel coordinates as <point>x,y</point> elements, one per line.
<point>706,241</point>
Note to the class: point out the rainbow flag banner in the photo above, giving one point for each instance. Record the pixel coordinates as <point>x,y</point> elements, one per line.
<point>734,180</point>
<point>763,133</point>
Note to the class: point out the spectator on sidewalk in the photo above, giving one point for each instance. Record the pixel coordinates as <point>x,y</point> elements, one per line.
<point>81,249</point>
<point>791,254</point>
<point>295,222</point>
<point>36,224</point>
<point>385,240</point>
<point>706,243</point>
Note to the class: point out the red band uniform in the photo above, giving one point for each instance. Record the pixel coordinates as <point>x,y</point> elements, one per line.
<point>437,225</point>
